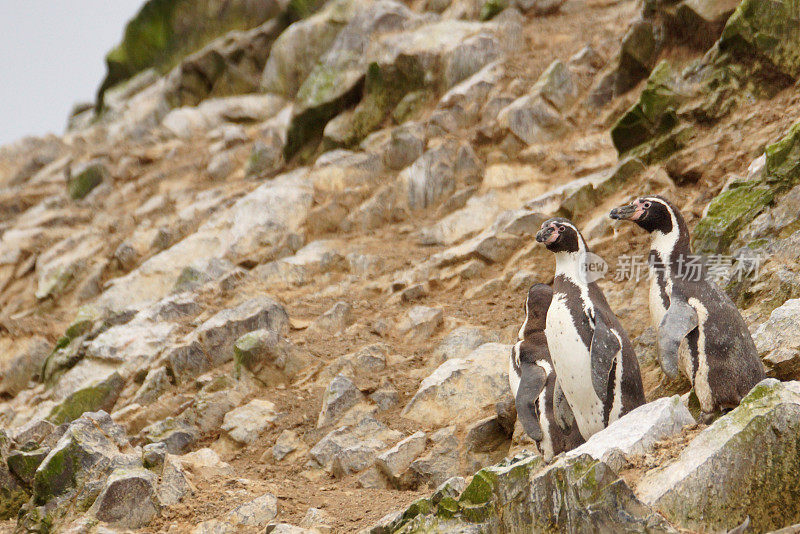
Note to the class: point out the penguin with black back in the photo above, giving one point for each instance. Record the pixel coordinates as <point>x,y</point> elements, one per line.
<point>541,406</point>
<point>700,330</point>
<point>591,352</point>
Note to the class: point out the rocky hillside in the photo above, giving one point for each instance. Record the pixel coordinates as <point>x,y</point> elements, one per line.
<point>270,278</point>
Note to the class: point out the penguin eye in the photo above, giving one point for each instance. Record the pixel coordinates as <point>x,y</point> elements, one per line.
<point>646,204</point>
<point>561,227</point>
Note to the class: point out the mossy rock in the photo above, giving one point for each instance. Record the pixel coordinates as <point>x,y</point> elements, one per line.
<point>654,115</point>
<point>83,180</point>
<point>24,463</point>
<point>492,8</point>
<point>731,210</point>
<point>12,494</point>
<point>164,31</point>
<point>98,396</point>
<point>768,30</point>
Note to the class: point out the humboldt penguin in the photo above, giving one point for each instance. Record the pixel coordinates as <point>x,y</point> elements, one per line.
<point>700,330</point>
<point>541,407</point>
<point>591,353</point>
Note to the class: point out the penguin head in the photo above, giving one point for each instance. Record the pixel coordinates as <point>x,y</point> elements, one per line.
<point>536,306</point>
<point>559,235</point>
<point>653,213</point>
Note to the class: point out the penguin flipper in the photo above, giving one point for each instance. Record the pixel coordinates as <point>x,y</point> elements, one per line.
<point>562,411</point>
<point>532,382</point>
<point>604,349</point>
<point>679,320</point>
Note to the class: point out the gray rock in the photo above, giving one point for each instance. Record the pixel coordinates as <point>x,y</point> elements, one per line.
<point>246,423</point>
<point>420,323</point>
<point>319,520</point>
<point>212,343</point>
<point>334,320</point>
<point>431,178</point>
<point>221,166</point>
<point>84,177</point>
<point>214,526</point>
<point>210,407</point>
<point>286,528</point>
<point>460,342</point>
<point>156,382</point>
<point>128,499</point>
<point>385,397</point>
<point>340,395</point>
<point>368,360</point>
<point>24,366</point>
<point>269,356</point>
<point>406,144</point>
<point>256,513</point>
<point>153,455</point>
<point>477,215</point>
<point>522,280</point>
<point>777,342</point>
<point>637,431</point>
<point>287,443</point>
<point>459,389</point>
<point>176,434</point>
<point>758,444</point>
<point>540,7</point>
<point>442,462</point>
<point>395,462</point>
<point>351,449</point>
<point>173,485</point>
<point>488,288</point>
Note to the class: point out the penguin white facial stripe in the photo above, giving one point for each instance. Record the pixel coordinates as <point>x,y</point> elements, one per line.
<point>521,334</point>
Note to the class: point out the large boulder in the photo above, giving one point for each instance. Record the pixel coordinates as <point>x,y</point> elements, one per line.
<point>758,444</point>
<point>776,340</point>
<point>128,499</point>
<point>460,389</point>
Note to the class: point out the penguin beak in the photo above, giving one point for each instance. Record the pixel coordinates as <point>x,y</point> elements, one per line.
<point>628,212</point>
<point>547,235</point>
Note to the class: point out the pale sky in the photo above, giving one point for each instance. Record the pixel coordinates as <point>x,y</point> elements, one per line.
<point>51,56</point>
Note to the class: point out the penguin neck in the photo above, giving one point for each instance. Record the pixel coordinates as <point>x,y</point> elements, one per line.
<point>672,244</point>
<point>570,265</point>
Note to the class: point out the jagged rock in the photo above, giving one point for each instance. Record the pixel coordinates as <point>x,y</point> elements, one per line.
<point>319,520</point>
<point>637,431</point>
<point>286,528</point>
<point>385,397</point>
<point>176,434</point>
<point>340,395</point>
<point>91,448</point>
<point>246,423</point>
<point>153,455</point>
<point>211,406</point>
<point>756,29</point>
<point>459,389</point>
<point>461,342</point>
<point>133,344</point>
<point>155,383</point>
<point>128,499</point>
<point>12,494</point>
<point>350,449</point>
<point>421,322</point>
<point>206,463</point>
<point>39,432</point>
<point>173,485</point>
<point>736,206</point>
<point>256,513</point>
<point>221,165</point>
<point>287,443</point>
<point>82,178</point>
<point>395,462</point>
<point>776,340</point>
<point>97,395</point>
<point>269,356</point>
<point>336,319</point>
<point>571,495</point>
<point>431,177</point>
<point>486,441</point>
<point>216,336</point>
<point>760,475</point>
<point>299,47</point>
<point>406,144</point>
<point>23,463</point>
<point>442,462</point>
<point>522,280</point>
<point>24,366</point>
<point>478,214</point>
<point>63,264</point>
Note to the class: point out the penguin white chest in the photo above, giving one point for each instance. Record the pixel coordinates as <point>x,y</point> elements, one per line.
<point>573,365</point>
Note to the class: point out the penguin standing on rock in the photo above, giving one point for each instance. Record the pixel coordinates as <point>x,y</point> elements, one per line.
<point>700,330</point>
<point>541,406</point>
<point>592,355</point>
